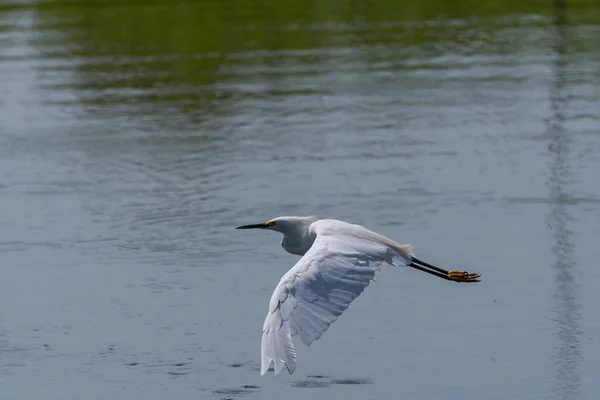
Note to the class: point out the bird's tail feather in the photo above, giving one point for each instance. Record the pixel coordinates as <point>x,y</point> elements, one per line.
<point>404,253</point>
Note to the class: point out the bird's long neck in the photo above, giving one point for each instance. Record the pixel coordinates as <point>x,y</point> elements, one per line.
<point>298,242</point>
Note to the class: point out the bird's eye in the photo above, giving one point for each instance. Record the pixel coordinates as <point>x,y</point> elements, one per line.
<point>270,223</point>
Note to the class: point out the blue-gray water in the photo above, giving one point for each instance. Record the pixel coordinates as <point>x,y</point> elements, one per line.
<point>127,157</point>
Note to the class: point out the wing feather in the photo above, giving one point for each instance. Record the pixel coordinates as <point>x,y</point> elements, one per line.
<point>316,291</point>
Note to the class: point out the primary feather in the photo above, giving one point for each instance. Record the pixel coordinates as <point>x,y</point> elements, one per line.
<point>340,264</point>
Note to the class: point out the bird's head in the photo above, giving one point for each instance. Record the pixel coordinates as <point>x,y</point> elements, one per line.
<point>285,225</point>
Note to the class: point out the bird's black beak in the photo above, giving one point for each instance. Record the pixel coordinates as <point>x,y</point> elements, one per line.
<point>253,226</point>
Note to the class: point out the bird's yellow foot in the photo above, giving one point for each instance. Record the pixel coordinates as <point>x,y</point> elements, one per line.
<point>463,276</point>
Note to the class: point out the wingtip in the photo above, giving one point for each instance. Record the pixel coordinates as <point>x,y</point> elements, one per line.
<point>265,367</point>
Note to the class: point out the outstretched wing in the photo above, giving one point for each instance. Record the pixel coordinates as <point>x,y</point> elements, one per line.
<point>310,297</point>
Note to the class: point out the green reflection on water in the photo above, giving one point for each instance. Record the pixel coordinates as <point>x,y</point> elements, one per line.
<point>185,55</point>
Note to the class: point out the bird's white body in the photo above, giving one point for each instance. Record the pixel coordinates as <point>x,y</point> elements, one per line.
<point>338,262</point>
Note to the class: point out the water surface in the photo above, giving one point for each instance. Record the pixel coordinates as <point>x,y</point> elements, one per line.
<point>134,136</point>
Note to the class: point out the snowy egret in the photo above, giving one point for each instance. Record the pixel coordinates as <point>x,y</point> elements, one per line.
<point>339,261</point>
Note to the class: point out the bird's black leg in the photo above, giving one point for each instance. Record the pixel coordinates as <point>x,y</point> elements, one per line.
<point>456,276</point>
<point>438,274</point>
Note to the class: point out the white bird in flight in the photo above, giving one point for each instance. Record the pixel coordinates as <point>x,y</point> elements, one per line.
<point>339,261</point>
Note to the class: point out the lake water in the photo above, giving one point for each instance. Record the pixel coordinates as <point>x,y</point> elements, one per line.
<point>134,137</point>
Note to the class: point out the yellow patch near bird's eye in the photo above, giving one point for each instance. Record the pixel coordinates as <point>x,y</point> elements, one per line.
<point>270,223</point>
